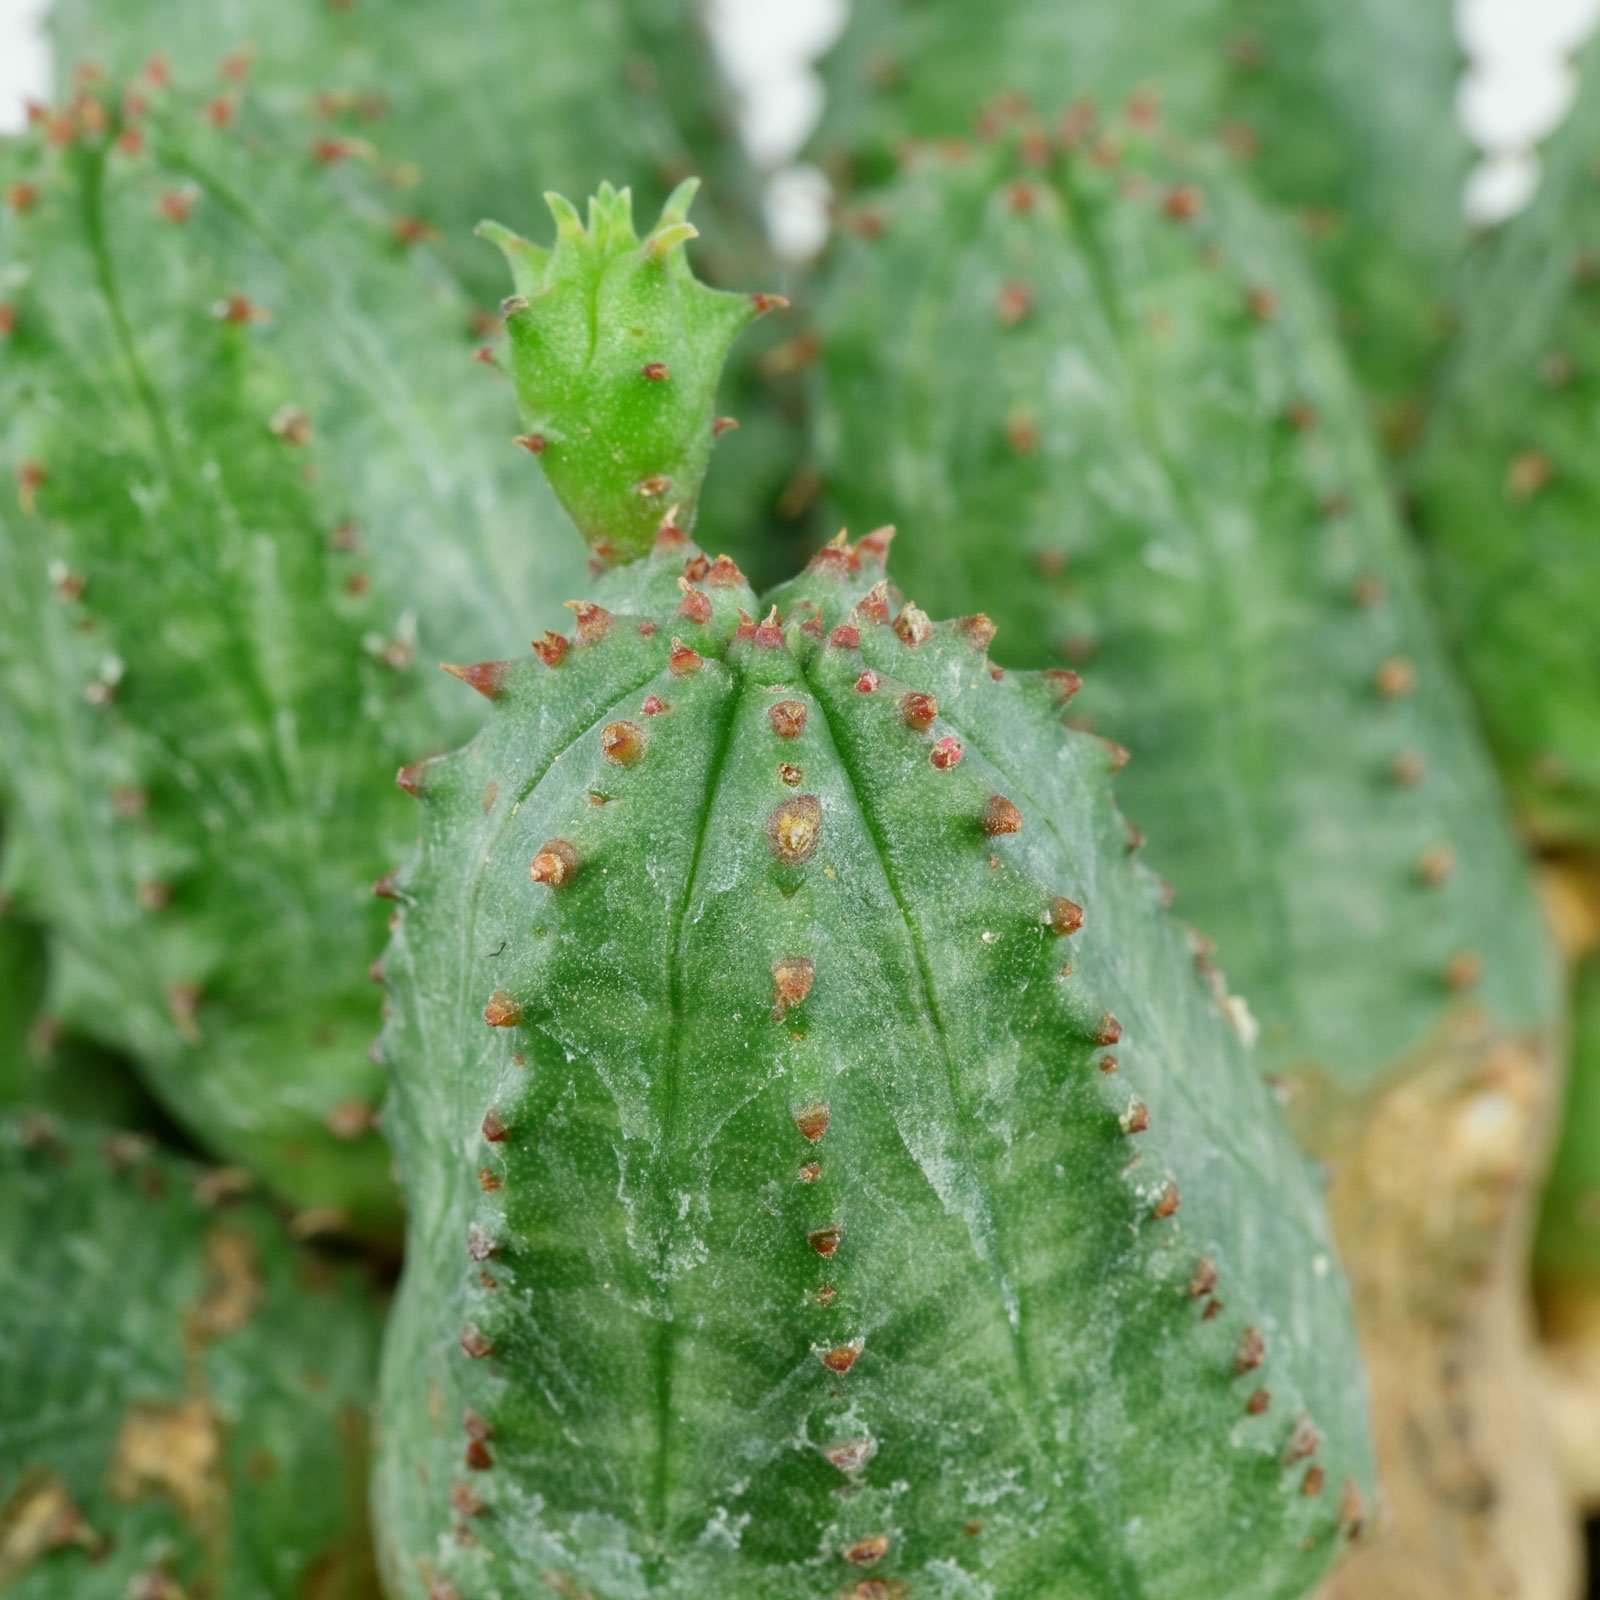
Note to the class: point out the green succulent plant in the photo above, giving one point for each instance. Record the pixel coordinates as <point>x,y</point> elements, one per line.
<point>1113,407</point>
<point>254,495</point>
<point>1343,111</point>
<point>183,1406</point>
<point>1508,488</point>
<point>828,1169</point>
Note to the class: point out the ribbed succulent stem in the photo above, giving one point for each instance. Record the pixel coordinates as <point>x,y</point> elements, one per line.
<point>799,1088</point>
<point>1117,415</point>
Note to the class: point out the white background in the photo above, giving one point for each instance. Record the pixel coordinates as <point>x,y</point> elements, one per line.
<point>1518,86</point>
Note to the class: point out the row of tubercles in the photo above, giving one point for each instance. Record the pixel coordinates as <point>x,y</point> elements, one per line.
<point>624,742</point>
<point>996,817</point>
<point>86,120</point>
<point>1394,677</point>
<point>1000,817</point>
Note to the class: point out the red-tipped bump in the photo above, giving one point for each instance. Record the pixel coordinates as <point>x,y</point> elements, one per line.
<point>487,677</point>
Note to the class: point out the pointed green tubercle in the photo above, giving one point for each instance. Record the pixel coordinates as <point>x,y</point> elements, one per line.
<point>616,349</point>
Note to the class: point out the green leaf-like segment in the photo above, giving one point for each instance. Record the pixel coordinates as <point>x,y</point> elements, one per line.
<point>1112,408</point>
<point>184,1394</point>
<point>1509,488</point>
<point>1343,109</point>
<point>254,492</point>
<point>829,1171</point>
<point>616,350</point>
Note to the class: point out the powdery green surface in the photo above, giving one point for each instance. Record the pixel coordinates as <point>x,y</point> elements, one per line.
<point>1107,408</point>
<point>183,1392</point>
<point>828,1171</point>
<point>1508,489</point>
<point>1343,109</point>
<point>257,490</point>
<point>807,1156</point>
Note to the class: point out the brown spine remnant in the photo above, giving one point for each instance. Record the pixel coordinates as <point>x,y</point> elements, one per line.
<point>494,1128</point>
<point>1303,1441</point>
<point>502,1011</point>
<point>555,864</point>
<point>812,1121</point>
<point>1063,681</point>
<point>411,778</point>
<point>1168,1202</point>
<point>1110,1029</point>
<point>825,1241</point>
<point>1352,1511</point>
<point>622,743</point>
<point>788,718</point>
<point>594,622</point>
<point>1066,916</point>
<point>945,754</point>
<point>1252,1351</point>
<point>1258,1402</point>
<point>487,677</point>
<point>551,649</point>
<point>1001,816</point>
<point>696,603</point>
<point>1396,678</point>
<point>867,1552</point>
<point>851,1455</point>
<point>874,605</point>
<point>978,630</point>
<point>1435,864</point>
<point>475,1342</point>
<point>841,1357</point>
<point>913,626</point>
<point>682,660</point>
<point>794,829</point>
<point>791,982</point>
<point>1204,1279</point>
<point>918,709</point>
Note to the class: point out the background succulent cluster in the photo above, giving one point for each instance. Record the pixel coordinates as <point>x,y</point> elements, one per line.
<point>805,1144</point>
